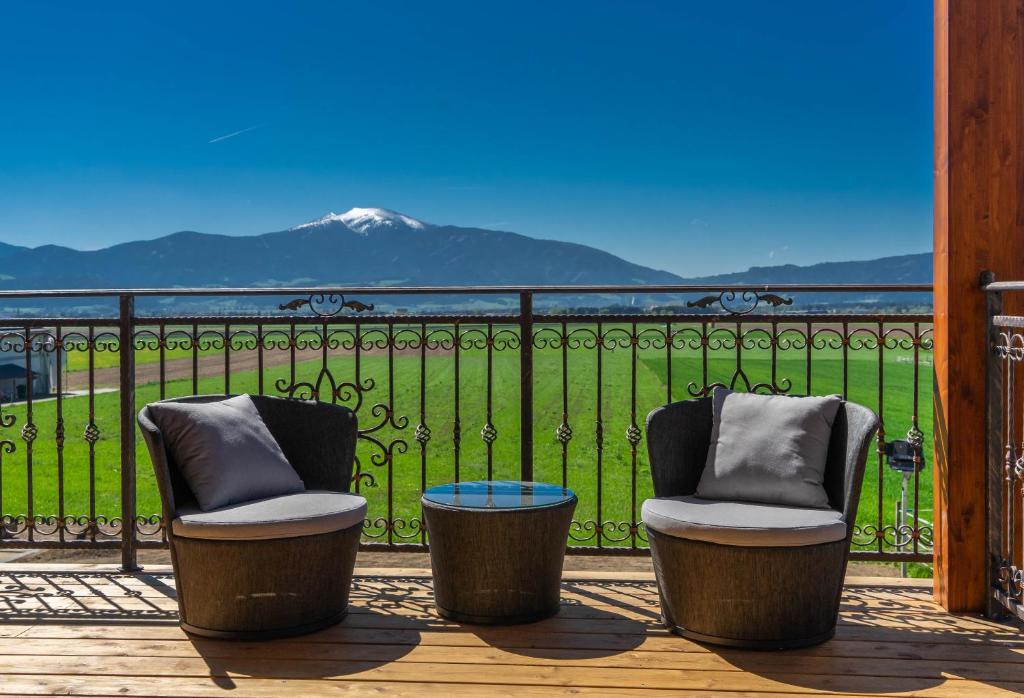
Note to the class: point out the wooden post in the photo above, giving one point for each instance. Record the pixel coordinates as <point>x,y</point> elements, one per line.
<point>979,226</point>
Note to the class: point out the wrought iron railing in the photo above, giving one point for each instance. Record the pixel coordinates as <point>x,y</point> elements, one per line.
<point>523,391</point>
<point>1005,449</point>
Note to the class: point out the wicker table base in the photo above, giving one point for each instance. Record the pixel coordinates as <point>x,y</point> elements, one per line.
<point>497,566</point>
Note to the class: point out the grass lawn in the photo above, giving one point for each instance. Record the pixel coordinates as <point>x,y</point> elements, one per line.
<point>408,473</point>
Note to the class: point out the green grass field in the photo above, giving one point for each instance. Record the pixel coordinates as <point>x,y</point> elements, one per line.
<point>408,475</point>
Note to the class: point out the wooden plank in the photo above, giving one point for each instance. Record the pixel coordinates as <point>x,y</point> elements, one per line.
<point>903,583</point>
<point>519,674</point>
<point>1010,669</point>
<point>187,687</point>
<point>507,639</point>
<point>584,620</point>
<point>396,591</point>
<point>607,640</point>
<point>894,638</point>
<point>979,226</point>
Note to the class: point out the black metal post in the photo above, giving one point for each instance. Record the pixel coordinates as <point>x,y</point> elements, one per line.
<point>526,385</point>
<point>994,416</point>
<point>126,334</point>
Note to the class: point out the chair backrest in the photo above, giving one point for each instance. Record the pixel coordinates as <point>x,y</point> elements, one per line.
<point>318,439</point>
<point>679,435</point>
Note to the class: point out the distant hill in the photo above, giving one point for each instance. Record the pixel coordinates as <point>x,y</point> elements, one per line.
<point>378,247</point>
<point>903,269</point>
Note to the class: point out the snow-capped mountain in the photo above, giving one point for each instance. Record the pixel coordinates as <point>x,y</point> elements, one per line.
<point>361,247</point>
<point>379,247</point>
<point>365,220</point>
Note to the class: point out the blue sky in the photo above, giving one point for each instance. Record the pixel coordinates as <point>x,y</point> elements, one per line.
<point>697,137</point>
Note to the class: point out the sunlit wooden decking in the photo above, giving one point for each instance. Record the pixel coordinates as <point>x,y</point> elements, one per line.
<point>89,630</point>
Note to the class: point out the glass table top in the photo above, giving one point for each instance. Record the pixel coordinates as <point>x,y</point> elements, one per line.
<point>498,494</point>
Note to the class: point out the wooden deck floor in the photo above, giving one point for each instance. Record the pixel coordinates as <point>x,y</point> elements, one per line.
<point>90,630</point>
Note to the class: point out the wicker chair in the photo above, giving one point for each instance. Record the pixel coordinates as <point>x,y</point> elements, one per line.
<point>748,593</point>
<point>255,570</point>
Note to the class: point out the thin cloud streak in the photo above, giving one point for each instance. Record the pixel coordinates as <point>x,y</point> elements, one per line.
<point>226,136</point>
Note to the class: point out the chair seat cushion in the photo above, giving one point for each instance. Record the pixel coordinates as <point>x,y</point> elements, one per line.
<point>289,516</point>
<point>746,524</point>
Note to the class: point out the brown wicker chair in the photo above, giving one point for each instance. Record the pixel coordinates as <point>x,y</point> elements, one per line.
<point>273,580</point>
<point>748,594</point>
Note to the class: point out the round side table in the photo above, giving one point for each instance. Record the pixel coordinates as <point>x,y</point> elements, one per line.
<point>496,549</point>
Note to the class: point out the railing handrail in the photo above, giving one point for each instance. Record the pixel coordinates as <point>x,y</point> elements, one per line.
<point>461,290</point>
<point>1001,286</point>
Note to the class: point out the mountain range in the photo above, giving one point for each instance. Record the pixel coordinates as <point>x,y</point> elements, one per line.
<point>379,247</point>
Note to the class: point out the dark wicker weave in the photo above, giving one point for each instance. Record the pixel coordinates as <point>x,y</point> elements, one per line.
<point>758,597</point>
<point>259,589</point>
<point>497,566</point>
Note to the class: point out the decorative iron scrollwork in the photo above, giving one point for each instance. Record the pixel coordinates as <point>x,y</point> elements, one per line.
<point>739,302</point>
<point>633,435</point>
<point>326,304</point>
<point>915,436</point>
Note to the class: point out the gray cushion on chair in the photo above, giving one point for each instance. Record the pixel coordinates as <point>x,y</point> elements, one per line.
<point>742,523</point>
<point>224,451</point>
<point>768,448</point>
<point>301,514</point>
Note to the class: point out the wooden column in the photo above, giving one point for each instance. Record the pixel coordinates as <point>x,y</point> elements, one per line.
<point>979,225</point>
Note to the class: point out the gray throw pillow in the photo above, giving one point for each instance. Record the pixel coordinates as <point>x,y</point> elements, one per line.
<point>224,451</point>
<point>768,448</point>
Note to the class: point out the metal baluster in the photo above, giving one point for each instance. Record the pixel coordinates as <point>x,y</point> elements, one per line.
<point>810,350</point>
<point>161,344</point>
<point>422,433</point>
<point>357,371</point>
<point>704,356</point>
<point>633,435</point>
<point>127,362</point>
<point>92,433</point>
<point>28,435</point>
<point>526,386</point>
<point>195,358</point>
<point>668,362</point>
<point>391,417</point>
<point>739,355</point>
<point>774,342</point>
<point>1017,492</point>
<point>259,359</point>
<point>324,361</point>
<point>880,439</point>
<point>227,359</point>
<point>59,432</point>
<point>489,433</point>
<point>846,359</point>
<point>917,438</point>
<point>1010,457</point>
<point>564,431</point>
<point>456,420</point>
<point>599,439</point>
<point>291,354</point>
